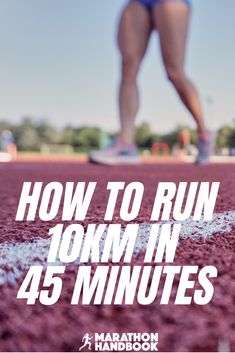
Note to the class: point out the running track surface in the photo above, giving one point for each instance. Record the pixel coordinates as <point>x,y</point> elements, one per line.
<point>60,327</point>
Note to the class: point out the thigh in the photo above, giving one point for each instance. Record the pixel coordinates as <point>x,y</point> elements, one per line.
<point>171,19</point>
<point>134,31</point>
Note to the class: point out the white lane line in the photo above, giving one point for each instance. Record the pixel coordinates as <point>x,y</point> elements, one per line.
<point>15,258</point>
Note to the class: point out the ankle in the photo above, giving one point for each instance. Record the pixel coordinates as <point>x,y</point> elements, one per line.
<point>204,135</point>
<point>125,141</point>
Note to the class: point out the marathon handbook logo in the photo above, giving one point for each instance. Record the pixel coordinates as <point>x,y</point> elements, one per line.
<point>125,342</point>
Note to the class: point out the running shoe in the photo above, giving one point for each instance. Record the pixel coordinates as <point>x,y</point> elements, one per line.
<point>205,146</point>
<point>117,154</point>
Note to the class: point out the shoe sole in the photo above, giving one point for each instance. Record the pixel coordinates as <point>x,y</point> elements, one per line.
<point>114,161</point>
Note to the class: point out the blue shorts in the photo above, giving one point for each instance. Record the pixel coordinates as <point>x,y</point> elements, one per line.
<point>150,3</point>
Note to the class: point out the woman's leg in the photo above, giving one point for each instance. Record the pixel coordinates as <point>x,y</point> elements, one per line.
<point>133,36</point>
<point>171,19</point>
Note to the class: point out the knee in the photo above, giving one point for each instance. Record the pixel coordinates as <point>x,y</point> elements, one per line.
<point>176,77</point>
<point>130,68</point>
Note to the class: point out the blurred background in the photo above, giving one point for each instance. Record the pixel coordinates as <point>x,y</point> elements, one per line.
<point>59,72</point>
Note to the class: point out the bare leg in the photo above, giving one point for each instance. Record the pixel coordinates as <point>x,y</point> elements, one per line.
<point>171,19</point>
<point>133,36</point>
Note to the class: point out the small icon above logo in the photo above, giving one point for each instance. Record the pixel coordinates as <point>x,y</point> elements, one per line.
<point>86,342</point>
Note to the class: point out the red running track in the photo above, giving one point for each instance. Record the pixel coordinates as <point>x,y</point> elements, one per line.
<point>60,327</point>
